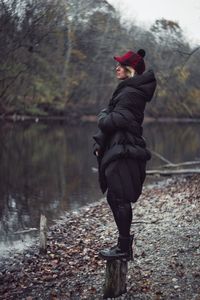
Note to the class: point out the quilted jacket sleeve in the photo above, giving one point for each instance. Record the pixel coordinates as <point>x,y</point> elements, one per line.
<point>120,118</point>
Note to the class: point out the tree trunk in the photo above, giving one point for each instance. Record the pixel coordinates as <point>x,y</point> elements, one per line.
<point>115,281</point>
<point>43,234</point>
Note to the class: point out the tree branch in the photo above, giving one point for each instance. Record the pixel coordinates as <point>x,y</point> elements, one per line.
<point>173,172</point>
<point>161,157</point>
<point>186,163</point>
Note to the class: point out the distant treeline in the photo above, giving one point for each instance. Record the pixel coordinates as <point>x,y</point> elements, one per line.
<point>56,58</point>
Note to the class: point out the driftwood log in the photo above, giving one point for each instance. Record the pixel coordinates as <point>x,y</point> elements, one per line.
<point>185,163</point>
<point>43,234</point>
<point>173,172</point>
<point>115,278</point>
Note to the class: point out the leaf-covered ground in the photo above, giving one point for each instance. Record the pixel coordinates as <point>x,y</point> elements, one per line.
<point>166,265</point>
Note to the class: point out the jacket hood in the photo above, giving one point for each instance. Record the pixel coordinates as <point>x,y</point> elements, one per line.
<point>145,83</point>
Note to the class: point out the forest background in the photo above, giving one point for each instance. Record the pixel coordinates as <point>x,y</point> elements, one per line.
<point>56,59</point>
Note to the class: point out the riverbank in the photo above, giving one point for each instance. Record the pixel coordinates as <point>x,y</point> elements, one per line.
<point>166,264</point>
<point>75,117</point>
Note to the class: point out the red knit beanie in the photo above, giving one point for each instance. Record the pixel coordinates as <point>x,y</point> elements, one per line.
<point>134,60</point>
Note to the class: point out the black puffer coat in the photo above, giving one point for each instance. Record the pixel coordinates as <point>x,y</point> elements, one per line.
<point>120,128</point>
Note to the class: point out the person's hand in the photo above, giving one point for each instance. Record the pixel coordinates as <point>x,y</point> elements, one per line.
<point>103,113</point>
<point>96,149</point>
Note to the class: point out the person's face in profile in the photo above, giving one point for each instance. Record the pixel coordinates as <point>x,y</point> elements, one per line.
<point>121,72</point>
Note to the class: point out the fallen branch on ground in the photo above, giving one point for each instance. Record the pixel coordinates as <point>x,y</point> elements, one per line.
<point>161,157</point>
<point>186,163</point>
<point>146,222</point>
<point>25,231</point>
<point>173,172</point>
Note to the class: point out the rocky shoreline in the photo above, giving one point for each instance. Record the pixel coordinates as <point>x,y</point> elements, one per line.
<point>166,264</point>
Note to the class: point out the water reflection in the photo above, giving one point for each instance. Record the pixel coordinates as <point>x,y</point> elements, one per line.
<point>177,142</point>
<point>48,169</point>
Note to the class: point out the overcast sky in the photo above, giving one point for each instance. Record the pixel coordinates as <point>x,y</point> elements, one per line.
<point>145,12</point>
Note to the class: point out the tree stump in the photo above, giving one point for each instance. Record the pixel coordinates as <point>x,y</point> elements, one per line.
<point>43,234</point>
<point>115,280</point>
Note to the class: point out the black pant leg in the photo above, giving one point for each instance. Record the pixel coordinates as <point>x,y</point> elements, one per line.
<point>122,212</point>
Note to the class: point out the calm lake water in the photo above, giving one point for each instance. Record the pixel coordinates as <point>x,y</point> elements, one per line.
<point>49,169</point>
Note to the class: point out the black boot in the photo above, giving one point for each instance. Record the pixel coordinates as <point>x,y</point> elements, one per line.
<point>123,249</point>
<point>118,242</point>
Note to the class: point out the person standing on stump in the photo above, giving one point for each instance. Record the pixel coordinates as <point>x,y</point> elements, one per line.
<point>120,148</point>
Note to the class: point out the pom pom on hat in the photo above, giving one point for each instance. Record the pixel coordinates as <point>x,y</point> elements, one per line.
<point>141,52</point>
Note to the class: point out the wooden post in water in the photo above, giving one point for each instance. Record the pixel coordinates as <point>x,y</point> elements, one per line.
<point>115,281</point>
<point>43,234</point>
